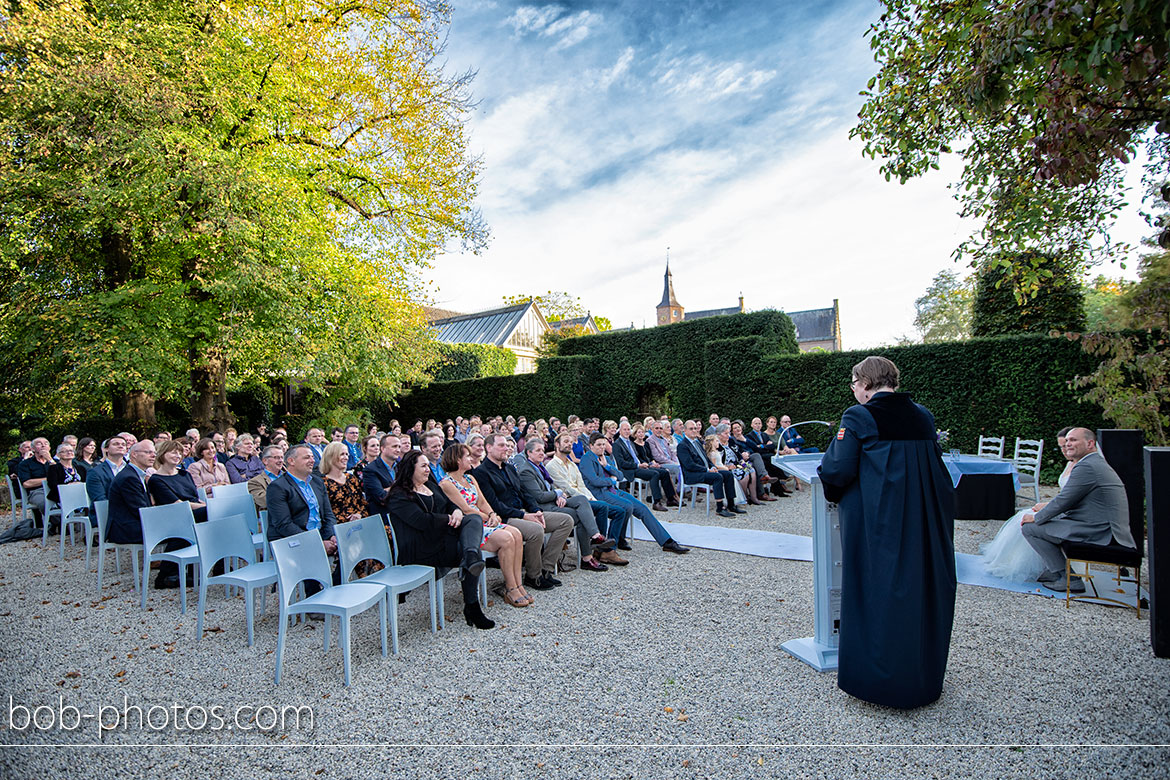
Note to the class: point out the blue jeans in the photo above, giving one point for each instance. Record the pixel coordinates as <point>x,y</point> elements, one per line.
<point>623,499</point>
<point>611,519</point>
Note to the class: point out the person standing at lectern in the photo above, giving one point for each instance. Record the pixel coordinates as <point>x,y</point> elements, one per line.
<point>885,470</point>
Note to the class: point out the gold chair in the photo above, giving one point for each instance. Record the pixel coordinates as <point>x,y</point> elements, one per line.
<point>1113,554</point>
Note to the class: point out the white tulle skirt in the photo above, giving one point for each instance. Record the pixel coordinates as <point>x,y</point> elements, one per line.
<point>1009,555</point>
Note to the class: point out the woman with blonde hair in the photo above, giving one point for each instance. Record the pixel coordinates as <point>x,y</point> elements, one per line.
<point>346,498</point>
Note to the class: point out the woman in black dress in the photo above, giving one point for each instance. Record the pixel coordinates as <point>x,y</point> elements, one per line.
<point>63,471</point>
<point>171,483</point>
<point>432,532</point>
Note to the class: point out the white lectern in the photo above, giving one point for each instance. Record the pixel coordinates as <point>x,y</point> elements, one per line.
<point>820,650</point>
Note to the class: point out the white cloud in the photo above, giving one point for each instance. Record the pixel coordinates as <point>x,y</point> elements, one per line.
<point>698,76</point>
<point>552,21</point>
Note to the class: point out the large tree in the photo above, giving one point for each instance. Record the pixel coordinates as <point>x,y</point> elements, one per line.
<point>943,312</point>
<point>199,193</point>
<point>1043,100</point>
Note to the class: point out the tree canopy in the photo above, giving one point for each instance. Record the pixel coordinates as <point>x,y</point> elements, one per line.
<point>1044,102</point>
<point>1002,306</point>
<point>943,312</point>
<point>194,193</point>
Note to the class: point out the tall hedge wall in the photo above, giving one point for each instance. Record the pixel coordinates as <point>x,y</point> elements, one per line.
<point>671,356</point>
<point>1007,386</point>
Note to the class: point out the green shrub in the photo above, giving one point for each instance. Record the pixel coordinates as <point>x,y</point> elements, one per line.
<point>472,361</point>
<point>1058,304</point>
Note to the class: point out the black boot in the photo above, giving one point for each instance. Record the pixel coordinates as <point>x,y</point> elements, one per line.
<point>472,565</point>
<point>475,617</point>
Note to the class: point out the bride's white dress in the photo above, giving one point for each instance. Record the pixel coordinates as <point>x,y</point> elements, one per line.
<point>1009,555</point>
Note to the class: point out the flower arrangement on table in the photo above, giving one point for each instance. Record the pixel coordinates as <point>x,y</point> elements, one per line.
<point>943,438</point>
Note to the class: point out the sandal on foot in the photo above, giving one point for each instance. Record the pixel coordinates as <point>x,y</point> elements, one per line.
<point>515,602</point>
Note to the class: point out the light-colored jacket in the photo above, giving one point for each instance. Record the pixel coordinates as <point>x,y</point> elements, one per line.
<point>208,477</point>
<point>567,477</point>
<point>662,450</point>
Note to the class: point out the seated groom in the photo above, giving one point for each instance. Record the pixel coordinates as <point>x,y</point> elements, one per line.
<point>1092,507</point>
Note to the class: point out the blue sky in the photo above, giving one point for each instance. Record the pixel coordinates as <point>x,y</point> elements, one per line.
<point>612,130</point>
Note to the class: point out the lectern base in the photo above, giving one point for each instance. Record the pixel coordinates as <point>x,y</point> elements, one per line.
<point>820,657</point>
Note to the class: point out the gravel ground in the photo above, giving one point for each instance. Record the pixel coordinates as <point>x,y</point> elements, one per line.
<point>669,667</point>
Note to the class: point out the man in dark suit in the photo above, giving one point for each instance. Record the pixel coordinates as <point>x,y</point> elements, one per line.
<point>633,467</point>
<point>127,495</point>
<point>379,476</point>
<point>101,476</point>
<point>696,469</point>
<point>297,500</point>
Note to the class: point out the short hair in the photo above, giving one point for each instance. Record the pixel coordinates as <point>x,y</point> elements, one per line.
<point>202,445</point>
<point>433,433</point>
<point>243,437</point>
<point>566,436</point>
<point>336,430</point>
<point>366,442</point>
<point>739,423</point>
<point>192,431</point>
<point>65,444</point>
<point>1090,434</point>
<point>596,437</point>
<point>473,438</point>
<point>722,428</point>
<point>452,455</point>
<point>1063,431</point>
<point>270,450</point>
<point>167,446</point>
<point>676,421</point>
<point>352,425</point>
<point>533,444</point>
<point>385,436</point>
<point>293,449</point>
<point>877,371</point>
<point>490,439</point>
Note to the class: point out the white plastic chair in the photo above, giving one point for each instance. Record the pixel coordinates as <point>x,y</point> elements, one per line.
<point>226,539</point>
<point>640,488</point>
<point>302,557</point>
<point>160,523</point>
<point>234,490</point>
<point>102,510</point>
<point>365,539</point>
<point>51,509</point>
<point>683,487</point>
<point>15,499</point>
<point>991,447</point>
<point>75,500</point>
<point>1027,459</point>
<point>243,507</point>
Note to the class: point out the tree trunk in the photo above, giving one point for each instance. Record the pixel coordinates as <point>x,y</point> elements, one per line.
<point>209,411</point>
<point>138,410</point>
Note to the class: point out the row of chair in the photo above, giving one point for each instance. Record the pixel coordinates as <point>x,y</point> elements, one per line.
<point>1027,457</point>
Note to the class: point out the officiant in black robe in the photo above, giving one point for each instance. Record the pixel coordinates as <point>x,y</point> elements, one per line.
<point>884,468</point>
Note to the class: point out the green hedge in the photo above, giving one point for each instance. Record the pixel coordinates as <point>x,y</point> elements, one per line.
<point>1006,386</point>
<point>669,356</point>
<point>556,388</point>
<point>472,361</point>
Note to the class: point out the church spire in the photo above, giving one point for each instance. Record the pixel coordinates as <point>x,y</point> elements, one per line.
<point>668,298</point>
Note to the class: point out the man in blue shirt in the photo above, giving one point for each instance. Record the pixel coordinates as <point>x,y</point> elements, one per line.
<point>352,432</point>
<point>791,438</point>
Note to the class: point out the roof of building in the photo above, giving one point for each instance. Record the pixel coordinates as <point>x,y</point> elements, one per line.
<point>485,327</point>
<point>698,315</point>
<point>814,324</point>
<point>585,322</point>
<point>668,298</point>
<point>433,313</point>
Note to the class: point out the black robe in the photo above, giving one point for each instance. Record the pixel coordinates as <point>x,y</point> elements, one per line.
<point>885,470</point>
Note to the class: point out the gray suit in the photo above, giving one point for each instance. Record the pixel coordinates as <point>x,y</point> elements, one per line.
<point>577,507</point>
<point>1092,508</point>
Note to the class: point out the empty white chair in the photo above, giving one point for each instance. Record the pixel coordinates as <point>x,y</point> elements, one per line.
<point>991,447</point>
<point>365,540</point>
<point>302,557</point>
<point>51,509</point>
<point>1027,459</point>
<point>102,509</point>
<point>160,523</point>
<point>225,539</point>
<point>243,508</point>
<point>74,502</point>
<point>235,489</point>
<point>15,500</point>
